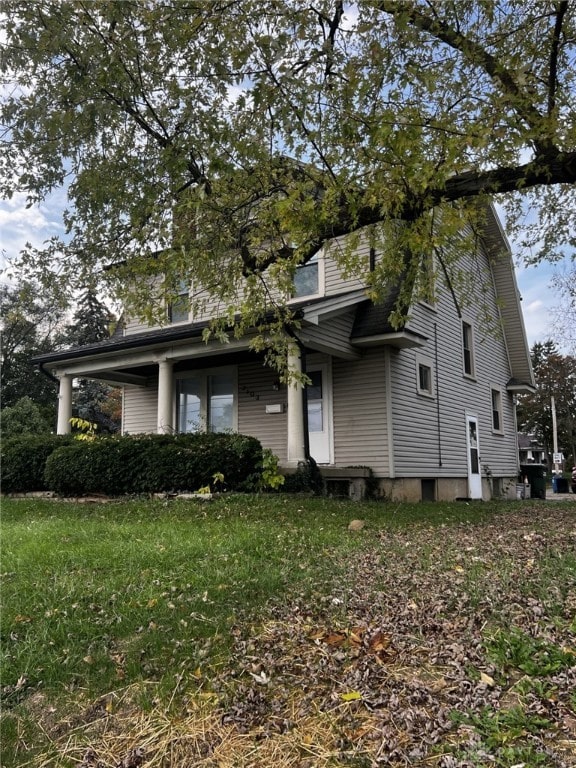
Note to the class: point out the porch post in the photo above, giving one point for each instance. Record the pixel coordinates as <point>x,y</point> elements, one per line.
<point>64,405</point>
<point>296,442</point>
<point>165,387</point>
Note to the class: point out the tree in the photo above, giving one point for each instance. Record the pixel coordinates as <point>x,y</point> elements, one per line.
<point>225,142</point>
<point>93,401</point>
<point>29,324</point>
<point>25,417</point>
<point>555,375</point>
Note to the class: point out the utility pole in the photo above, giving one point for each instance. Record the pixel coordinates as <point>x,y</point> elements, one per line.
<point>554,434</point>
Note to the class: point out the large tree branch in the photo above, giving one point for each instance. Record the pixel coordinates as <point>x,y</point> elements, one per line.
<point>561,10</point>
<point>558,170</point>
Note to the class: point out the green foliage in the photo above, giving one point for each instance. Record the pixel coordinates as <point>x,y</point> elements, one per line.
<point>86,429</point>
<point>512,649</point>
<point>24,417</point>
<point>24,460</point>
<point>153,463</point>
<point>30,320</point>
<point>313,125</point>
<point>270,478</point>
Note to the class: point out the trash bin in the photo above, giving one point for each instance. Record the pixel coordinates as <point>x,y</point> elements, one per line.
<point>559,484</point>
<point>536,476</point>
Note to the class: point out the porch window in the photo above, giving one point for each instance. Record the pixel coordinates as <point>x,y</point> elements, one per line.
<point>206,402</point>
<point>307,279</point>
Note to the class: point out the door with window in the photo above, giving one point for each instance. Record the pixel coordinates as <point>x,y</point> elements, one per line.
<point>473,448</point>
<point>319,415</point>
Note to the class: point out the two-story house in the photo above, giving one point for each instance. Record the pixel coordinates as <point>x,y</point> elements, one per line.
<point>428,407</point>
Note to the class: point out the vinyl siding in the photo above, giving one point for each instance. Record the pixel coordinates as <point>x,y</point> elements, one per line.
<point>255,392</point>
<point>333,333</point>
<point>359,412</point>
<point>430,433</point>
<point>140,409</point>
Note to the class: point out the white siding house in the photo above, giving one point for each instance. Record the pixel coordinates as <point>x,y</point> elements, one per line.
<point>429,408</point>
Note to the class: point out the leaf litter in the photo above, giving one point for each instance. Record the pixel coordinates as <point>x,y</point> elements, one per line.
<point>414,658</point>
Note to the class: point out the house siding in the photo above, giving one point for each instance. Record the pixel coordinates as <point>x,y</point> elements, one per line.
<point>256,391</point>
<point>359,412</point>
<point>140,409</point>
<point>430,433</point>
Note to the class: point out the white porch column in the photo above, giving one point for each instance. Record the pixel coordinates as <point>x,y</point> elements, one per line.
<point>64,405</point>
<point>165,390</point>
<point>296,449</point>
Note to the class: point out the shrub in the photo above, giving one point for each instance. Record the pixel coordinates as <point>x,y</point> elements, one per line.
<point>24,460</point>
<point>153,463</point>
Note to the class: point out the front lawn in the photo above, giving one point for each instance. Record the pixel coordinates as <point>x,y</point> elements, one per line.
<point>261,631</point>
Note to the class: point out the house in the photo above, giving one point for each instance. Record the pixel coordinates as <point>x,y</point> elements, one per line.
<point>531,450</point>
<point>429,408</point>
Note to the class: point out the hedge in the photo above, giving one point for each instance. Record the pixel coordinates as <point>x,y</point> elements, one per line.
<point>24,459</point>
<point>154,463</point>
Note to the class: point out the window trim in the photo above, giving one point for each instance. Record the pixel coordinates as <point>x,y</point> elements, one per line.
<point>467,335</point>
<point>423,362</point>
<point>204,375</point>
<point>498,430</point>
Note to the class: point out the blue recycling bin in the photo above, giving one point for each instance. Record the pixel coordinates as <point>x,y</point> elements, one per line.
<point>559,484</point>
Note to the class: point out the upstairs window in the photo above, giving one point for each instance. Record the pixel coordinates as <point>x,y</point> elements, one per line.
<point>307,279</point>
<point>468,349</point>
<point>179,309</point>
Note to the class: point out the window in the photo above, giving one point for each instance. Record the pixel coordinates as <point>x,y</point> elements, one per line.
<point>468,349</point>
<point>179,309</point>
<point>206,401</point>
<point>497,425</point>
<point>307,279</point>
<point>424,383</point>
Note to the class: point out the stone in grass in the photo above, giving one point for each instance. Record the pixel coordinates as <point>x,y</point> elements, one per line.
<point>356,525</point>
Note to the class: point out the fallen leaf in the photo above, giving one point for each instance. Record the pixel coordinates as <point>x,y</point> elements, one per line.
<point>486,679</point>
<point>351,696</point>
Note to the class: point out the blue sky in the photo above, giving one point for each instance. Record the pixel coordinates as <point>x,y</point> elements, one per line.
<point>19,224</point>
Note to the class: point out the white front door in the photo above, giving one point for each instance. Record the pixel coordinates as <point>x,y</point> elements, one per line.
<point>473,447</point>
<point>319,414</point>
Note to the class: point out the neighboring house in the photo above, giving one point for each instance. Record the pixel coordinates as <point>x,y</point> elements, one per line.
<point>530,449</point>
<point>429,408</point>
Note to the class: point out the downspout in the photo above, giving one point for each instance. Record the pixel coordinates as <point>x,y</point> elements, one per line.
<point>438,417</point>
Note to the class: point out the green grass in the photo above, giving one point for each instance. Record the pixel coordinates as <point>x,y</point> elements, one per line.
<point>97,594</point>
<point>99,597</point>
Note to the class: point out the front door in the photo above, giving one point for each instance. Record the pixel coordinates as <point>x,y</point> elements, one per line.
<point>473,446</point>
<point>319,413</point>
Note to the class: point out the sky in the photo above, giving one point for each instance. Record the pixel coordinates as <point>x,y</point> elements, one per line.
<point>19,225</point>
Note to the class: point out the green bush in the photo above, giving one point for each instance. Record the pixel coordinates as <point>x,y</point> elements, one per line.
<point>24,460</point>
<point>154,463</point>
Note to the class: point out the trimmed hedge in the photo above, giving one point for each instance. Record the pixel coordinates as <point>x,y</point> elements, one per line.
<point>24,460</point>
<point>154,463</point>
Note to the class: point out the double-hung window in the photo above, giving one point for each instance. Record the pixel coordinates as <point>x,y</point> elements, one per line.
<point>206,402</point>
<point>424,377</point>
<point>179,309</point>
<point>307,279</point>
<point>497,424</point>
<point>468,348</point>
